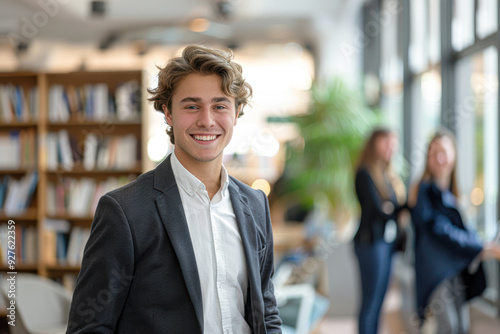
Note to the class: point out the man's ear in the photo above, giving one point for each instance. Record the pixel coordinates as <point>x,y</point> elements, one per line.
<point>237,115</point>
<point>168,115</point>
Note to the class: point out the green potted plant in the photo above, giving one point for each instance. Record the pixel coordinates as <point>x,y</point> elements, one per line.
<point>320,164</point>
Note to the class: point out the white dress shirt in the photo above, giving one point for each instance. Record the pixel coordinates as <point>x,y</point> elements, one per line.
<point>218,250</point>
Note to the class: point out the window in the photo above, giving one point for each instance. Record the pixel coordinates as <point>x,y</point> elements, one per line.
<point>434,36</point>
<point>486,17</point>
<point>426,116</point>
<point>391,71</point>
<point>418,36</point>
<point>462,27</point>
<point>476,121</point>
<point>425,34</point>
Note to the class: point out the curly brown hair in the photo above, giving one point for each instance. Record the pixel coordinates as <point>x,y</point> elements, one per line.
<point>203,60</point>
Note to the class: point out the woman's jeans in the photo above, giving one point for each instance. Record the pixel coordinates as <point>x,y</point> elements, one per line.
<point>375,262</point>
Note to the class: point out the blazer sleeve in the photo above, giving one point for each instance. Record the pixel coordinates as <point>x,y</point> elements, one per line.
<point>106,274</point>
<point>271,313</point>
<point>427,214</point>
<point>462,241</point>
<point>368,198</point>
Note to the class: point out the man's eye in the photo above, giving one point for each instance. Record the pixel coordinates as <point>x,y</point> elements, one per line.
<point>220,107</point>
<point>192,107</point>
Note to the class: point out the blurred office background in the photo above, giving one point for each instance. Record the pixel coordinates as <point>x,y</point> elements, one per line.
<point>411,65</point>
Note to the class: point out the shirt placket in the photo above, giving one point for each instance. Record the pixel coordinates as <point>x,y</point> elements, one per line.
<point>221,273</point>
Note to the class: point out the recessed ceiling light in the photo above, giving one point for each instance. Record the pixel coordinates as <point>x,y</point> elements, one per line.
<point>199,25</point>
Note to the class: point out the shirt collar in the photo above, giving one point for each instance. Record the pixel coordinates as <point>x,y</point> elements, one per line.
<point>190,183</point>
<point>224,181</point>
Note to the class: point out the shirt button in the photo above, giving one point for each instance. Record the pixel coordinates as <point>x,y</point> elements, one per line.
<point>227,330</point>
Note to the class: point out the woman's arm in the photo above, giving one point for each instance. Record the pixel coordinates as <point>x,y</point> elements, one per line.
<point>428,215</point>
<point>369,199</point>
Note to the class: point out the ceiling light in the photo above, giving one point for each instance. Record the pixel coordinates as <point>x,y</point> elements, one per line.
<point>199,25</point>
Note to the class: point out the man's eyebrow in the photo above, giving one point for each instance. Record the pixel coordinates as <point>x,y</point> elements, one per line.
<point>220,99</point>
<point>191,99</point>
<point>199,100</point>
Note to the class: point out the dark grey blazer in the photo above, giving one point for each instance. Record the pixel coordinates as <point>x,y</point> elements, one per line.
<point>139,273</point>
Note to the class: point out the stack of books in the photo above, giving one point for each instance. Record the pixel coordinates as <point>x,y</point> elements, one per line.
<point>105,153</point>
<point>26,245</point>
<point>94,103</point>
<point>16,195</point>
<point>20,148</point>
<point>64,244</point>
<point>79,197</point>
<point>15,106</point>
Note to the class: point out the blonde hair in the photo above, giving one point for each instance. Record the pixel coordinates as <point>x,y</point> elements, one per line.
<point>202,60</point>
<point>369,159</point>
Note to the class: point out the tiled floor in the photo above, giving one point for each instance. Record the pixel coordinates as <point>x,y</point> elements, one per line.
<point>392,323</point>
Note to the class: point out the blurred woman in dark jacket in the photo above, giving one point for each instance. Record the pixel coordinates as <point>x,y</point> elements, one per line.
<point>381,196</point>
<point>447,254</point>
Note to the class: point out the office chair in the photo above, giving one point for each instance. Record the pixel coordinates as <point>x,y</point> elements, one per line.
<point>300,307</point>
<point>42,305</point>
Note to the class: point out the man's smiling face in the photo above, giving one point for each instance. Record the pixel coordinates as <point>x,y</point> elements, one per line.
<point>202,118</point>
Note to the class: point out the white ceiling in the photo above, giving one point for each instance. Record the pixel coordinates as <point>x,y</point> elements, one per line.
<point>166,21</point>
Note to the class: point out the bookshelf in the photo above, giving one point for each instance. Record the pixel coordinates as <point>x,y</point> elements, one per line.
<point>81,134</point>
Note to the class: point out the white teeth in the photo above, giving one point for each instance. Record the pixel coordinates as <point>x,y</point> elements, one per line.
<point>204,138</point>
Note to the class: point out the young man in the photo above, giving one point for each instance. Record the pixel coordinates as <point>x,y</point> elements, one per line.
<point>185,248</point>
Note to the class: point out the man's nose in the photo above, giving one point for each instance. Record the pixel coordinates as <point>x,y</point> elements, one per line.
<point>206,118</point>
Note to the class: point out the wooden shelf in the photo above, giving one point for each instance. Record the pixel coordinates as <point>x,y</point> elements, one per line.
<point>80,220</point>
<point>63,268</point>
<point>29,215</point>
<point>81,171</point>
<point>77,128</point>
<point>13,75</point>
<point>10,125</point>
<point>20,267</point>
<point>20,171</point>
<point>75,123</point>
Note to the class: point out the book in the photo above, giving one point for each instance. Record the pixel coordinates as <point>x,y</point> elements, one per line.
<point>50,195</point>
<point>90,151</point>
<point>67,162</point>
<point>77,240</point>
<point>100,95</point>
<point>30,243</point>
<point>3,190</point>
<point>7,146</point>
<point>78,197</point>
<point>56,231</point>
<point>20,194</point>
<point>50,244</point>
<point>14,149</point>
<point>3,243</point>
<point>5,103</point>
<point>34,102</point>
<point>31,184</point>
<point>127,98</point>
<point>52,151</point>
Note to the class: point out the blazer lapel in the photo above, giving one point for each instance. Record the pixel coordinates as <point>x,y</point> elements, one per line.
<point>248,236</point>
<point>172,214</point>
